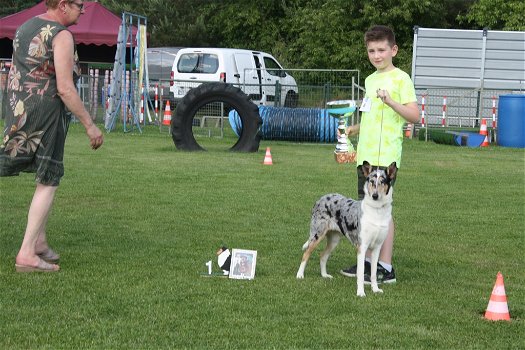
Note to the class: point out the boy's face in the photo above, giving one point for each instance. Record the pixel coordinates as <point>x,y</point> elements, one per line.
<point>380,55</point>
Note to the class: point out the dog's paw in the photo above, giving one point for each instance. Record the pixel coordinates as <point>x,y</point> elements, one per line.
<point>361,293</point>
<point>300,275</point>
<point>325,275</point>
<point>377,290</point>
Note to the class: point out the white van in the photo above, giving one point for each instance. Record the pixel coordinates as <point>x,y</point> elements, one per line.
<point>257,73</point>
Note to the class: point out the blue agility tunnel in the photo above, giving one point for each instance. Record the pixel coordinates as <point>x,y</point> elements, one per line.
<point>292,124</point>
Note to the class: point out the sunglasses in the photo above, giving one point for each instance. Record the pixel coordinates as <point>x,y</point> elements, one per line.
<point>80,6</point>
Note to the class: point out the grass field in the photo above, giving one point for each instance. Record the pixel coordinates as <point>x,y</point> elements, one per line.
<point>136,221</point>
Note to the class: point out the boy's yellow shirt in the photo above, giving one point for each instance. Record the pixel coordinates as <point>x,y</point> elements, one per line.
<point>382,123</point>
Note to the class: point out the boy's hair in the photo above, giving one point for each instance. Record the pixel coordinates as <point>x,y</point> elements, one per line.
<point>379,33</point>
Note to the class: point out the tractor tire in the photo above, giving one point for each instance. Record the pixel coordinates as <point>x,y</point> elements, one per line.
<point>181,124</point>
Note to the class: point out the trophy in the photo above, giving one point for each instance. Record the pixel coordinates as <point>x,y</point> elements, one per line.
<point>344,150</point>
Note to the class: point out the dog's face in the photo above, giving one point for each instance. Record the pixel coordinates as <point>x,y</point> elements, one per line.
<point>378,182</point>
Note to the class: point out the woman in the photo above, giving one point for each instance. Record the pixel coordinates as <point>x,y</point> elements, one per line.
<point>42,95</point>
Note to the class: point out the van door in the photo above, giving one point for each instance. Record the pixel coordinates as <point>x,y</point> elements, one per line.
<point>247,75</point>
<point>271,73</point>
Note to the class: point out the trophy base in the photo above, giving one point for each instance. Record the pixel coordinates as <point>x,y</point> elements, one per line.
<point>345,157</point>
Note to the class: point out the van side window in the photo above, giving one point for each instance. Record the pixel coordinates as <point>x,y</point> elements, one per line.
<point>198,63</point>
<point>273,67</point>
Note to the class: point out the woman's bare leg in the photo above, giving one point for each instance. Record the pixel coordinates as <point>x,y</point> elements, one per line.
<point>36,225</point>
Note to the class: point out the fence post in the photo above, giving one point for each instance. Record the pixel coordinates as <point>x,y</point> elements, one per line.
<point>327,92</point>
<point>278,88</point>
<point>444,115</point>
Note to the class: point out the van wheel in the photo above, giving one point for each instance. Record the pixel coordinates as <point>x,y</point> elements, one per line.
<point>196,98</point>
<point>291,99</point>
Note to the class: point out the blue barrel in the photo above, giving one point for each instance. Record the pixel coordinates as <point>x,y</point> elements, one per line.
<point>511,121</point>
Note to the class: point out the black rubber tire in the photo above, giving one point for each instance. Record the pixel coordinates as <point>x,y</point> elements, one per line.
<point>196,98</point>
<point>291,99</point>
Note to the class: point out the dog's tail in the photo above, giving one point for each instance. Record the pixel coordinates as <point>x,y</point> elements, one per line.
<point>305,245</point>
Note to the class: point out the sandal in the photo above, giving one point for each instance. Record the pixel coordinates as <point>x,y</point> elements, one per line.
<point>49,256</point>
<point>41,267</point>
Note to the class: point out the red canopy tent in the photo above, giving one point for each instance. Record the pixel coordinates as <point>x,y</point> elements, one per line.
<point>96,26</point>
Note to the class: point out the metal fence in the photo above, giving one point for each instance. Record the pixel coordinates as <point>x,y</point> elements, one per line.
<point>443,107</point>
<point>459,107</point>
<point>313,90</point>
<point>3,93</point>
<point>92,92</point>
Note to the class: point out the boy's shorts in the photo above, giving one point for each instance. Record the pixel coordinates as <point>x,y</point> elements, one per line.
<point>361,179</point>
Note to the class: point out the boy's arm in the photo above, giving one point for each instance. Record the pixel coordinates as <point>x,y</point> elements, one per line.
<point>409,111</point>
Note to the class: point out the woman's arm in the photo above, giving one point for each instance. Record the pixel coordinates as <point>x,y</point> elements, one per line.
<point>63,48</point>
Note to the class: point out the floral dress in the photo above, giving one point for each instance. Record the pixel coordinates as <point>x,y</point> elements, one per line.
<point>36,121</point>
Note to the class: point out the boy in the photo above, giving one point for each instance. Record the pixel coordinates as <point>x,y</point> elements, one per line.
<point>390,101</point>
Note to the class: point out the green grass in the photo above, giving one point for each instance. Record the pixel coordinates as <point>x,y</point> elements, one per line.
<point>136,221</point>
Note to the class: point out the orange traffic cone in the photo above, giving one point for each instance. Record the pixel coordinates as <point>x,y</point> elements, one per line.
<point>167,115</point>
<point>485,142</point>
<point>497,309</point>
<point>268,157</point>
<point>408,131</point>
<point>483,131</point>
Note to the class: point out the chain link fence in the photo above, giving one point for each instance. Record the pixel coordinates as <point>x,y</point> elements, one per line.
<point>297,105</point>
<point>455,108</point>
<point>3,92</point>
<point>459,107</point>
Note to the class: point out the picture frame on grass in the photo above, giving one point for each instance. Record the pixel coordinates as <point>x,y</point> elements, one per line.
<point>243,264</point>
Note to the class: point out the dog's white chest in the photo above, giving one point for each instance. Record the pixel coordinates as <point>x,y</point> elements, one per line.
<point>374,226</point>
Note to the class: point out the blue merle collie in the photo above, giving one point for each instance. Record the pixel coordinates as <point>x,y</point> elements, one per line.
<point>365,223</point>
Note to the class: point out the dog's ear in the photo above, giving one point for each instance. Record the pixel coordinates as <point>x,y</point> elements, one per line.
<point>366,168</point>
<point>392,170</point>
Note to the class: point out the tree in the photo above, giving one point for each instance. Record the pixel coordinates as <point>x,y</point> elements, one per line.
<point>170,22</point>
<point>496,15</point>
<point>8,7</point>
<point>324,33</point>
<point>244,24</point>
<point>307,33</point>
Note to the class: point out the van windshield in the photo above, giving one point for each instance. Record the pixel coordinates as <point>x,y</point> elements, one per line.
<point>203,63</point>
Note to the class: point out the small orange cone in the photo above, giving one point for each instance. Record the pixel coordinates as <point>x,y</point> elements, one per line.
<point>485,142</point>
<point>408,131</point>
<point>497,309</point>
<point>167,115</point>
<point>268,157</point>
<point>483,131</point>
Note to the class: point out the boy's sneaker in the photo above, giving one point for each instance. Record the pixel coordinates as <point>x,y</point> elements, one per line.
<point>383,276</point>
<point>352,271</point>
